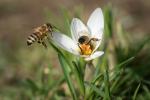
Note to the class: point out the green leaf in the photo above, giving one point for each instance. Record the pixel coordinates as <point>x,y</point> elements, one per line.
<point>55,48</point>
<point>125,62</point>
<point>67,76</point>
<point>59,52</point>
<point>142,44</point>
<point>147,90</point>
<point>107,87</point>
<point>96,89</point>
<point>80,77</point>
<point>104,61</point>
<point>136,91</point>
<point>66,18</point>
<point>117,70</point>
<point>114,84</point>
<point>32,85</point>
<point>123,80</point>
<point>56,84</point>
<point>108,21</point>
<point>97,78</point>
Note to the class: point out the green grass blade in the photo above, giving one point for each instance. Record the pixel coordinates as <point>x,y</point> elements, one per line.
<point>119,66</point>
<point>147,91</point>
<point>97,90</point>
<point>125,62</point>
<point>136,91</point>
<point>107,87</point>
<point>142,44</point>
<point>114,84</point>
<point>32,85</point>
<point>97,78</point>
<point>80,77</point>
<point>67,76</point>
<point>67,19</point>
<point>59,52</point>
<point>108,21</point>
<point>54,47</point>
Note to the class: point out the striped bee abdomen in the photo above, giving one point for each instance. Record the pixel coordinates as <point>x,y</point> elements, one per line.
<point>32,38</point>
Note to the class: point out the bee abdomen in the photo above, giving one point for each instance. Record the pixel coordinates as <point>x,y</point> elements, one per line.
<point>32,38</point>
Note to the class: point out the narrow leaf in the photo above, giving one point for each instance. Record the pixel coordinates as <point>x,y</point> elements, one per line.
<point>67,76</point>
<point>142,44</point>
<point>136,91</point>
<point>106,82</point>
<point>97,90</point>
<point>124,62</point>
<point>108,21</point>
<point>32,85</point>
<point>79,76</point>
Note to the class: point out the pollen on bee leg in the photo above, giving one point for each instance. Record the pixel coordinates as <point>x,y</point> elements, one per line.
<point>85,49</point>
<point>87,52</point>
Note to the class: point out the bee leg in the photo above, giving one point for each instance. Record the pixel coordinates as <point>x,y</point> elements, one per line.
<point>51,34</point>
<point>92,39</point>
<point>52,30</point>
<point>39,42</point>
<point>44,44</point>
<point>49,39</point>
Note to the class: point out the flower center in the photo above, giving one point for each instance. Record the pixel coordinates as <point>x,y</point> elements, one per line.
<point>86,44</point>
<point>86,49</point>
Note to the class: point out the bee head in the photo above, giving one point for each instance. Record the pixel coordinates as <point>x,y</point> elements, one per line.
<point>49,26</point>
<point>83,39</point>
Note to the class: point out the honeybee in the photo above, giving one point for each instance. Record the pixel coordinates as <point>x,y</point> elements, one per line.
<point>85,45</point>
<point>40,34</point>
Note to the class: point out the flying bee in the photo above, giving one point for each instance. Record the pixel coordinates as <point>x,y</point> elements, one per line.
<point>40,34</point>
<point>85,45</point>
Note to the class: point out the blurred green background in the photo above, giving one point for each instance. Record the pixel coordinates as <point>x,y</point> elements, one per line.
<point>18,17</point>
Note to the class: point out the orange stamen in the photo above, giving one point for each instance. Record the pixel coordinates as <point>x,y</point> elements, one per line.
<point>85,49</point>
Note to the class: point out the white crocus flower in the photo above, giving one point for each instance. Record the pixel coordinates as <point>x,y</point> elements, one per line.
<point>85,39</point>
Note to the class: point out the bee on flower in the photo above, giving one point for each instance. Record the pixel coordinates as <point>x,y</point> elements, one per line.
<point>85,38</point>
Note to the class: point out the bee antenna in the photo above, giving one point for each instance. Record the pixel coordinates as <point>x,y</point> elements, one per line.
<point>51,25</point>
<point>48,24</point>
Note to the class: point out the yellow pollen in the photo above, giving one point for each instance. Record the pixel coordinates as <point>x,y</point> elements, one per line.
<point>86,49</point>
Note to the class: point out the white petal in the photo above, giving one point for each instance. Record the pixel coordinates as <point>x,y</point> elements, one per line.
<point>98,42</point>
<point>96,22</point>
<point>78,29</point>
<point>65,42</point>
<point>94,55</point>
